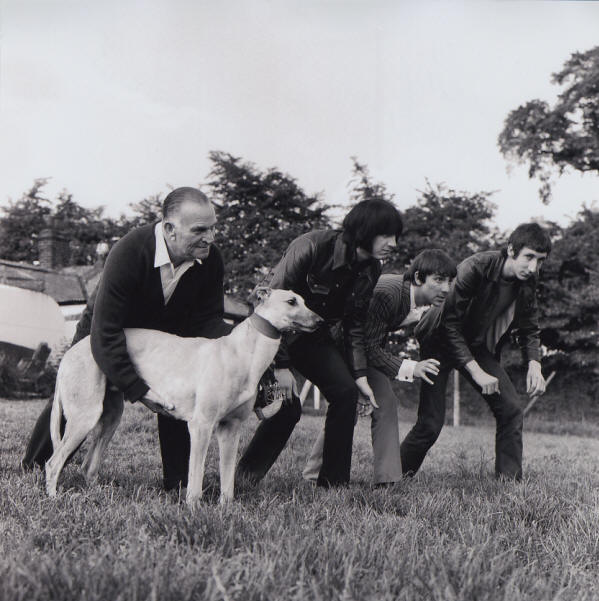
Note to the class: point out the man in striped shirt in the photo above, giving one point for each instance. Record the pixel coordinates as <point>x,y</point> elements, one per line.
<point>397,302</point>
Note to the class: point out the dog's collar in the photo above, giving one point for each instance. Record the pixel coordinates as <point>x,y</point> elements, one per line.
<point>264,326</point>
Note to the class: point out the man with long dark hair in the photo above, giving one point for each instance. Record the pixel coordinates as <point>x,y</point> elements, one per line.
<point>335,271</point>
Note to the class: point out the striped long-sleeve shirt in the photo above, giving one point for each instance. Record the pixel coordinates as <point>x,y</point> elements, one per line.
<point>389,307</point>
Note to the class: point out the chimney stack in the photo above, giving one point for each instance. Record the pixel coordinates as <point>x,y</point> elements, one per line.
<point>53,246</point>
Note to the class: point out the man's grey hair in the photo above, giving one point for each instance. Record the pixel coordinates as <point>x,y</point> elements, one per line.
<point>175,199</point>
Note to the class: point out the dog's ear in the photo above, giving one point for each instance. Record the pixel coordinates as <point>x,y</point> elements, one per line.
<point>261,293</point>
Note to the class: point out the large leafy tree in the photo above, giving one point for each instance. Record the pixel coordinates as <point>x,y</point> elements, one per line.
<point>565,135</point>
<point>569,298</point>
<point>21,222</point>
<point>259,213</point>
<point>24,219</point>
<point>84,227</point>
<point>147,210</point>
<point>363,187</point>
<point>456,221</point>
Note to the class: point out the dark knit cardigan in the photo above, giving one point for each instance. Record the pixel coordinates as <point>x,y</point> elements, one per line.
<point>130,296</point>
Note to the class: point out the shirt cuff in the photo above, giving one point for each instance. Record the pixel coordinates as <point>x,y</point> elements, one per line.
<point>406,371</point>
<point>136,391</point>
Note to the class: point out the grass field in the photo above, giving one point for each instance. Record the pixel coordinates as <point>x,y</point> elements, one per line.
<point>451,533</point>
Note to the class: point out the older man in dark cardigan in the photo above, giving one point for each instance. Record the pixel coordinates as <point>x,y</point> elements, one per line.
<point>167,276</point>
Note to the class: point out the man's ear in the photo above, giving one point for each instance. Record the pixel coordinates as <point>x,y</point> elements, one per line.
<point>169,228</point>
<point>417,279</point>
<point>510,251</point>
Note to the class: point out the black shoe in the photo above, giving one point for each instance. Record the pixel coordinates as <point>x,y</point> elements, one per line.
<point>175,484</point>
<point>386,484</point>
<point>29,466</point>
<point>324,483</point>
<point>245,479</point>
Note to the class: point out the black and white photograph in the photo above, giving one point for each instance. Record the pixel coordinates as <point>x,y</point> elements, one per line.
<point>299,299</point>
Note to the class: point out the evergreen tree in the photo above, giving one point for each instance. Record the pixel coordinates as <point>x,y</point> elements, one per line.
<point>259,214</point>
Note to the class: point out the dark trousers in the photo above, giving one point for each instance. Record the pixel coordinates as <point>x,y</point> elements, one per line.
<point>317,358</point>
<point>504,405</point>
<point>172,433</point>
<point>39,448</point>
<point>384,430</point>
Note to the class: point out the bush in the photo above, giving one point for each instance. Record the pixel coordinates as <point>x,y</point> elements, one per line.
<point>15,384</point>
<point>8,380</point>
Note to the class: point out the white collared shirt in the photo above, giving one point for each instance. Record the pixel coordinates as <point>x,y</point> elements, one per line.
<point>406,369</point>
<point>169,274</point>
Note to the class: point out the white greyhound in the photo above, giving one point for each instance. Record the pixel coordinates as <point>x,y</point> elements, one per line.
<point>211,383</point>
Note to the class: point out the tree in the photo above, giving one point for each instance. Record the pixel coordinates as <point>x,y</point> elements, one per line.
<point>21,223</point>
<point>85,228</point>
<point>24,219</point>
<point>148,210</point>
<point>562,136</point>
<point>362,187</point>
<point>259,214</point>
<point>456,221</point>
<point>569,298</point>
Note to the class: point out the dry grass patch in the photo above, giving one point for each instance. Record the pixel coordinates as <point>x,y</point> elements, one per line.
<point>453,532</point>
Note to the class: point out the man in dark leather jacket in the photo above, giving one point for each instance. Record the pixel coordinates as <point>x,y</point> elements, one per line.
<point>494,293</point>
<point>335,272</point>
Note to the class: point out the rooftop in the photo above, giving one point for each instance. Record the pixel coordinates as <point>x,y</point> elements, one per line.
<point>64,288</point>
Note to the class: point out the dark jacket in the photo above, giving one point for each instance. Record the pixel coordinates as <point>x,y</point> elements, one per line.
<point>130,295</point>
<point>323,270</point>
<point>468,308</point>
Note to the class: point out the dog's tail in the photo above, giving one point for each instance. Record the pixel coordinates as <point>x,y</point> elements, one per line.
<point>56,415</point>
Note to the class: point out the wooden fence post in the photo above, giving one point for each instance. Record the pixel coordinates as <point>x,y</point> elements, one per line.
<point>315,392</point>
<point>305,391</point>
<point>456,397</point>
<point>316,398</point>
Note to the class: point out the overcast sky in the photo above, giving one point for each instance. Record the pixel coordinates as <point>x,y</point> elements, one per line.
<point>118,100</point>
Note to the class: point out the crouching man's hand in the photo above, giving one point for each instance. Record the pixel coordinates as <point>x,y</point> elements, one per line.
<point>366,396</point>
<point>488,384</point>
<point>535,382</point>
<point>287,384</point>
<point>156,403</point>
<point>427,369</point>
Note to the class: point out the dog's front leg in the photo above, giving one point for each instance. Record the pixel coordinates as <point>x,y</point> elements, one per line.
<point>199,435</point>
<point>227,434</point>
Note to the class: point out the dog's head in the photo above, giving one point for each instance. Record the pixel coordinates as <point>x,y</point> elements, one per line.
<point>285,310</point>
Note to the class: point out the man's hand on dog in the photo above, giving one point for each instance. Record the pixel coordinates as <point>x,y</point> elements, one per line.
<point>287,384</point>
<point>156,403</point>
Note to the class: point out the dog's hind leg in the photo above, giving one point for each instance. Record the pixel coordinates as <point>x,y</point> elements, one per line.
<point>75,433</point>
<point>199,434</point>
<point>105,429</point>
